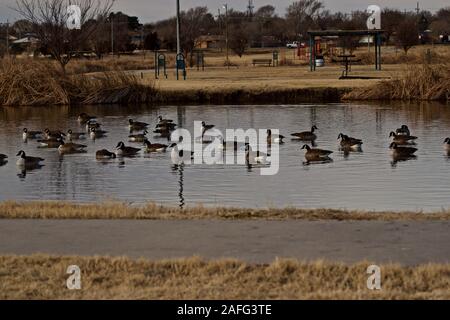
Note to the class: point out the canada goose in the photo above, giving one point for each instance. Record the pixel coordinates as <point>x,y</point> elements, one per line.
<point>307,135</point>
<point>349,143</point>
<point>50,143</point>
<point>403,130</point>
<point>97,133</point>
<point>206,127</point>
<point>104,154</point>
<point>161,120</point>
<point>316,154</point>
<point>447,144</point>
<point>84,117</point>
<point>179,156</point>
<point>92,125</point>
<point>401,138</point>
<point>166,126</point>
<point>48,134</point>
<point>3,158</point>
<point>27,134</point>
<point>67,148</point>
<point>25,161</point>
<point>137,126</point>
<point>274,138</point>
<point>154,147</point>
<point>401,151</point>
<point>252,157</point>
<point>124,151</point>
<point>75,135</point>
<point>138,137</point>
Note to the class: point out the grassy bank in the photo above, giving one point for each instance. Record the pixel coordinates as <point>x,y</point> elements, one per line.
<point>44,277</point>
<point>65,210</point>
<point>415,82</point>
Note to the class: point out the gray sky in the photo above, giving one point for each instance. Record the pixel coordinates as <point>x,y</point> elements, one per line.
<point>152,10</point>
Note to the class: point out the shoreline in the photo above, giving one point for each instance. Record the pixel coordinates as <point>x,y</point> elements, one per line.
<point>151,211</point>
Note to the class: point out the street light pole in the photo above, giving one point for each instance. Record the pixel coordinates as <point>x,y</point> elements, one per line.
<point>225,6</point>
<point>178,28</point>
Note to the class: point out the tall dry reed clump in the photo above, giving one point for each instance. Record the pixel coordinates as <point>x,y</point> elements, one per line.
<point>417,82</point>
<point>32,83</point>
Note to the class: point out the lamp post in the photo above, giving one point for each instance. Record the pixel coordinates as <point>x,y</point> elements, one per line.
<point>178,28</point>
<point>225,6</point>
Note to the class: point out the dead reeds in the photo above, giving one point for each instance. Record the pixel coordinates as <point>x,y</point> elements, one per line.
<point>33,83</point>
<point>417,82</point>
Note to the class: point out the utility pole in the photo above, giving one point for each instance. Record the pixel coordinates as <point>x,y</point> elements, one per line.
<point>225,6</point>
<point>418,8</point>
<point>178,28</point>
<point>220,28</point>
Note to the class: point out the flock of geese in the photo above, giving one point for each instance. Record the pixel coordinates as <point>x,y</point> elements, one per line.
<point>402,146</point>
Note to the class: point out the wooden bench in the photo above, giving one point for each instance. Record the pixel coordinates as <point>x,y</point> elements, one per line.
<point>262,61</point>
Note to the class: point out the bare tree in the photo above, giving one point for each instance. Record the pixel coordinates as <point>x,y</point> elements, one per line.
<point>302,14</point>
<point>239,39</point>
<point>194,23</point>
<point>407,34</point>
<point>49,21</point>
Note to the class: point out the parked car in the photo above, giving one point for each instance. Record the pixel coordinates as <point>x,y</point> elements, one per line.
<point>292,45</point>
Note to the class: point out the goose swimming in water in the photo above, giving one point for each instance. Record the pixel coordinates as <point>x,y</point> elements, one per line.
<point>254,157</point>
<point>124,151</point>
<point>401,138</point>
<point>179,156</point>
<point>138,137</point>
<point>26,161</point>
<point>75,135</point>
<point>154,147</point>
<point>447,144</point>
<point>136,125</point>
<point>97,133</point>
<point>48,134</point>
<point>403,130</point>
<point>316,154</point>
<point>27,134</point>
<point>274,138</point>
<point>67,148</point>
<point>104,154</point>
<point>92,125</point>
<point>306,135</point>
<point>349,143</point>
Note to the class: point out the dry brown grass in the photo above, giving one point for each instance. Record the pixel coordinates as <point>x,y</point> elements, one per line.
<point>29,82</point>
<point>116,210</point>
<point>44,277</point>
<point>416,82</point>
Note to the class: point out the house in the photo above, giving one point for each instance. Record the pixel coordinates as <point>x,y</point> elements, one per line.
<point>210,42</point>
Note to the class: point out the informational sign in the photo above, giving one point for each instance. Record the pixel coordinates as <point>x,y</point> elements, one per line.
<point>374,20</point>
<point>73,17</point>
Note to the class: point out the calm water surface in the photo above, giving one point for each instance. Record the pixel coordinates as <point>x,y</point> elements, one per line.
<point>367,180</point>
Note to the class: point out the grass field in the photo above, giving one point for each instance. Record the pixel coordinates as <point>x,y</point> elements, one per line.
<point>66,210</point>
<point>44,277</point>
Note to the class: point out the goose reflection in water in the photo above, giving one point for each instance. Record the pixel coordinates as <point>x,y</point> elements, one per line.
<point>397,159</point>
<point>180,170</point>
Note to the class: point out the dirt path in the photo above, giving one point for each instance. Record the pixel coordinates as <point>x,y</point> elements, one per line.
<point>408,243</point>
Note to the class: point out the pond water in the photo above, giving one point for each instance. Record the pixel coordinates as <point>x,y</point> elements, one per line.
<point>368,180</point>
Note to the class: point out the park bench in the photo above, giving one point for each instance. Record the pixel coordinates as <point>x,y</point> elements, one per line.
<point>262,61</point>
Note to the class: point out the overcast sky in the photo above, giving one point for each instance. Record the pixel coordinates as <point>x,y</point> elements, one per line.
<point>153,10</point>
